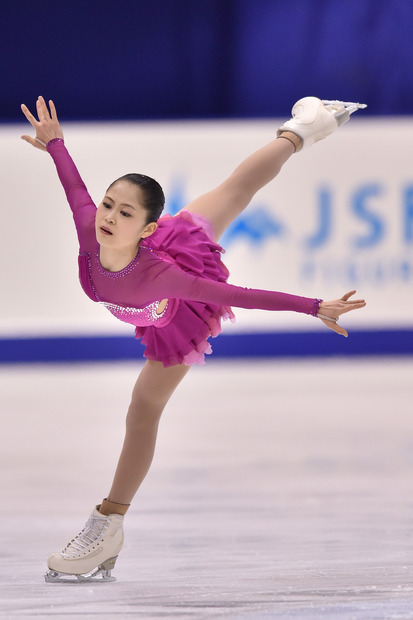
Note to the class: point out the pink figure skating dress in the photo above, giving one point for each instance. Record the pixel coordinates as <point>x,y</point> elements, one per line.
<point>179,262</point>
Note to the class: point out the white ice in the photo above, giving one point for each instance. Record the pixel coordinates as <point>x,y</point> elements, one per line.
<point>280,489</point>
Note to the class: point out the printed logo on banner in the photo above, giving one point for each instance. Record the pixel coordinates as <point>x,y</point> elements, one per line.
<point>368,256</point>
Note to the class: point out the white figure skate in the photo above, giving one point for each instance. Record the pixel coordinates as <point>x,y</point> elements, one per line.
<point>314,119</point>
<point>92,554</point>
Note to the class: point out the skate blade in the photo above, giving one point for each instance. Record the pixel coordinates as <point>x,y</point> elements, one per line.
<point>350,106</point>
<point>101,574</point>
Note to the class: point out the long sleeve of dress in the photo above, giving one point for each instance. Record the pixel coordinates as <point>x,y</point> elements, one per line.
<point>168,281</point>
<point>80,202</point>
<point>200,303</point>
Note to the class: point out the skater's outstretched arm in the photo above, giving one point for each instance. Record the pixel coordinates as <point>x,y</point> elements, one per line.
<point>164,280</point>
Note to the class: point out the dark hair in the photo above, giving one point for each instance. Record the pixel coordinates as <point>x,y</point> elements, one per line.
<point>153,196</point>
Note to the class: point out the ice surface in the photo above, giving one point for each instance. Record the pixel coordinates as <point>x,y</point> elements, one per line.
<point>280,489</point>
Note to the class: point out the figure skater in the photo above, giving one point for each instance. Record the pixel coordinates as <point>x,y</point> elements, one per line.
<point>165,277</point>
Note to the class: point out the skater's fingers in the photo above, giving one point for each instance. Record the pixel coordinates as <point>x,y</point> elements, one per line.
<point>53,112</point>
<point>335,327</point>
<point>47,127</point>
<point>353,305</point>
<point>337,307</point>
<point>347,296</point>
<point>42,111</point>
<point>34,142</point>
<point>32,120</point>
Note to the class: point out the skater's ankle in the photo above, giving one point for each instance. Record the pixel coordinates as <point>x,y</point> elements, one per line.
<point>109,508</point>
<point>295,140</point>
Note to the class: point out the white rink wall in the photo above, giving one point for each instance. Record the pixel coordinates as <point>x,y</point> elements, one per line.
<point>340,216</point>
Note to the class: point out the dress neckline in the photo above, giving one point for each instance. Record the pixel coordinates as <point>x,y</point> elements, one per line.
<point>116,274</point>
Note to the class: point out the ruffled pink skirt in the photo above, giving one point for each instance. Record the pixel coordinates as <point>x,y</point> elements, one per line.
<point>186,240</point>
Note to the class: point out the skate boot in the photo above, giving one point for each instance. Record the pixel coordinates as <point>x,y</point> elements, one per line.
<point>314,119</point>
<point>92,554</point>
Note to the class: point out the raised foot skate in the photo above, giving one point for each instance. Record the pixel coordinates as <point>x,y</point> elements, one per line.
<point>100,574</point>
<point>314,119</point>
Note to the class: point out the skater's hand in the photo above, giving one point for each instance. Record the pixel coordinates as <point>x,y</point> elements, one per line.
<point>330,311</point>
<point>47,127</point>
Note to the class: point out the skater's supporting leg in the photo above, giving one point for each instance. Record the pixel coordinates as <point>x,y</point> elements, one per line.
<point>97,546</point>
<point>154,387</point>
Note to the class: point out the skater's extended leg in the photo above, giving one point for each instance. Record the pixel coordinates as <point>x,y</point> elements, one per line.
<point>312,120</point>
<point>224,203</point>
<point>154,387</point>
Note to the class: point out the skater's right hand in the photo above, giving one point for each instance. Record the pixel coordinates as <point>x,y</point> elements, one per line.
<point>47,127</point>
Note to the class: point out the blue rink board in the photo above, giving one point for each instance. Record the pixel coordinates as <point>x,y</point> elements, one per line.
<point>285,344</point>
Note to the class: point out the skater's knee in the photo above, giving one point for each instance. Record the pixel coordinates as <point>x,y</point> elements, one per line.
<point>154,387</point>
<point>143,412</point>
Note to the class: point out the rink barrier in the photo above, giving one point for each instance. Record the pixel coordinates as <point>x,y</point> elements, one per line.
<point>252,345</point>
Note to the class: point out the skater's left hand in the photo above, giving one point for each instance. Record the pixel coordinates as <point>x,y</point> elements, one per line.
<point>330,311</point>
<point>47,127</point>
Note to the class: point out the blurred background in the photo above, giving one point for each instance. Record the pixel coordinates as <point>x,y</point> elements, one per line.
<point>183,59</point>
<point>183,90</point>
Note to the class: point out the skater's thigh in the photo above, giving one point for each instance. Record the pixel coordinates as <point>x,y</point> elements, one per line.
<point>156,384</point>
<point>220,206</point>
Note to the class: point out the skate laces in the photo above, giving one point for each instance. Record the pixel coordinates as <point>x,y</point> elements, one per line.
<point>94,528</point>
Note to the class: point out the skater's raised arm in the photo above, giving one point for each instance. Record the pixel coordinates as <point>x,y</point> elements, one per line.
<point>49,137</point>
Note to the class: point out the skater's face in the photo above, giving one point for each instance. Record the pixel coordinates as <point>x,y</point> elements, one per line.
<point>121,219</point>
